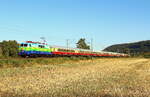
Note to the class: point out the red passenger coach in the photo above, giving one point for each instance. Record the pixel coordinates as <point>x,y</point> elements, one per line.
<point>60,51</point>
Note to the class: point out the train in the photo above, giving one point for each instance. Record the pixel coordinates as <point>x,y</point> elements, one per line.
<point>38,49</point>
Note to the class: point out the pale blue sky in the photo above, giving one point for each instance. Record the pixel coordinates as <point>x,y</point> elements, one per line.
<point>106,21</point>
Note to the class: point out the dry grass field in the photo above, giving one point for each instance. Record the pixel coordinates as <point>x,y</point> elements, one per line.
<point>105,77</point>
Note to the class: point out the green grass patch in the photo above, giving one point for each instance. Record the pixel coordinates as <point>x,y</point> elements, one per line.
<point>23,62</point>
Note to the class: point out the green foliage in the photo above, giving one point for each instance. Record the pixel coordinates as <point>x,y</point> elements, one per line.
<point>146,55</point>
<point>82,44</point>
<point>9,48</point>
<point>1,52</point>
<point>135,49</point>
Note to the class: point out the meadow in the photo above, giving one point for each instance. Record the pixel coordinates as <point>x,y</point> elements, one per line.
<point>103,77</point>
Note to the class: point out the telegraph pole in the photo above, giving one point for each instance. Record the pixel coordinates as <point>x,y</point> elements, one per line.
<point>91,44</point>
<point>67,43</point>
<point>43,39</point>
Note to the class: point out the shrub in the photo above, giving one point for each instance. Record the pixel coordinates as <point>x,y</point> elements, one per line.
<point>9,48</point>
<point>146,55</point>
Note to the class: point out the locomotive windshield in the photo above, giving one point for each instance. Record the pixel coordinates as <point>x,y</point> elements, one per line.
<point>24,45</point>
<point>41,46</point>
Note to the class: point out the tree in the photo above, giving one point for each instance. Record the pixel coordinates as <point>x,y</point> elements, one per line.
<point>9,48</point>
<point>82,44</point>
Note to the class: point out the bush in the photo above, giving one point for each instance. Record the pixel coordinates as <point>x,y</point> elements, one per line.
<point>146,55</point>
<point>9,48</point>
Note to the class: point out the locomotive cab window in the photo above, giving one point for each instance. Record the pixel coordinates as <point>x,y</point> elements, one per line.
<point>24,45</point>
<point>21,45</point>
<point>41,46</point>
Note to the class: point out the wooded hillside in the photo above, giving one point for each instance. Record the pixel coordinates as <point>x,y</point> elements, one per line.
<point>137,48</point>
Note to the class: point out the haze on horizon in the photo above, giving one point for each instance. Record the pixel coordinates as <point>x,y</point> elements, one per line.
<point>107,22</point>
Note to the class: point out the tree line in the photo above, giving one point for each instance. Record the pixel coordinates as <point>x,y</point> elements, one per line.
<point>141,48</point>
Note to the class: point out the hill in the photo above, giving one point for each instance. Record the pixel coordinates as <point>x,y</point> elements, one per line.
<point>137,48</point>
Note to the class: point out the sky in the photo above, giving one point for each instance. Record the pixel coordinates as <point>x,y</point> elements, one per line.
<point>107,22</point>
